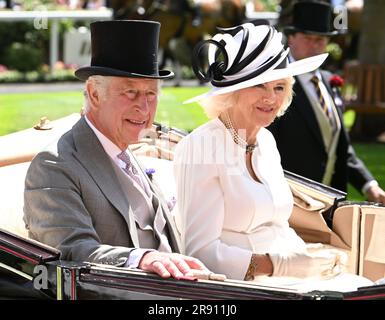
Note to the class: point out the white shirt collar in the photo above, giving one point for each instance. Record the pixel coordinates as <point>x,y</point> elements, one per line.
<point>109,147</point>
<point>306,77</point>
<point>112,150</point>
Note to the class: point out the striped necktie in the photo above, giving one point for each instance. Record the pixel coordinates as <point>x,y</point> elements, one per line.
<point>315,80</point>
<point>130,169</point>
<point>321,99</point>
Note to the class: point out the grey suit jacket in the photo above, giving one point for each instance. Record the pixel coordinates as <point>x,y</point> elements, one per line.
<point>74,202</point>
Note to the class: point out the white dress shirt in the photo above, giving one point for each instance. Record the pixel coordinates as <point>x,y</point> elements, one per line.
<point>224,214</point>
<point>112,151</point>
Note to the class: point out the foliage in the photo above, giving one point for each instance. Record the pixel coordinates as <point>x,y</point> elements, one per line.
<point>23,57</point>
<point>11,32</point>
<point>39,4</point>
<point>18,37</point>
<point>270,5</point>
<point>334,50</point>
<point>37,76</point>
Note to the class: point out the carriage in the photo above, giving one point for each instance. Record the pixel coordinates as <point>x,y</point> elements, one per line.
<point>32,270</point>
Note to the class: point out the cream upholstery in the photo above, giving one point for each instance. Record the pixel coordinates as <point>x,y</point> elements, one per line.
<point>12,199</point>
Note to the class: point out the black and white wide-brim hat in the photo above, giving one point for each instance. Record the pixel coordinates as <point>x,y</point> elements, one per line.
<point>245,56</point>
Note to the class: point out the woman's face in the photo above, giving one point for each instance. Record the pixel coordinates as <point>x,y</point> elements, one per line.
<point>257,106</point>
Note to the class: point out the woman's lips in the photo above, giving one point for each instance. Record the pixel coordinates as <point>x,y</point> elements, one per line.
<point>265,109</point>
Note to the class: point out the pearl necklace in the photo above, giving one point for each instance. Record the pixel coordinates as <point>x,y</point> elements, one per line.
<point>249,148</point>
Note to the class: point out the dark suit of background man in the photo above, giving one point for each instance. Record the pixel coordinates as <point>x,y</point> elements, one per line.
<point>311,136</point>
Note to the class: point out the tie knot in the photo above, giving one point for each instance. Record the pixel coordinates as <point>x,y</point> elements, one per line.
<point>315,80</point>
<point>125,158</point>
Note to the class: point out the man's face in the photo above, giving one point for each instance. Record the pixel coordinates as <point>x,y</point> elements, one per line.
<point>306,45</point>
<point>124,109</point>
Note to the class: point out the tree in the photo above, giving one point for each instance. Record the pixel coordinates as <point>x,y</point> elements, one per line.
<point>372,41</point>
<point>371,51</point>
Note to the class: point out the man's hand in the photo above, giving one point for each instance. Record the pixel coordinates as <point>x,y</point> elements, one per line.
<point>170,264</point>
<point>376,194</point>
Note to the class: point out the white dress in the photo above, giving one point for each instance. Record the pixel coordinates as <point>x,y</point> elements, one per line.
<point>223,214</point>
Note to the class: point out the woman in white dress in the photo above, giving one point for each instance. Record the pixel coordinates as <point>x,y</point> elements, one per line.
<point>233,200</point>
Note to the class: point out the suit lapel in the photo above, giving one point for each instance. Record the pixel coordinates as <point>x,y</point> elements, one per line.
<point>94,159</point>
<point>159,203</point>
<point>335,94</point>
<point>338,102</point>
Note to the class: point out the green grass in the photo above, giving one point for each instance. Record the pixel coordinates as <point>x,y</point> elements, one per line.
<point>349,118</point>
<point>21,111</point>
<point>373,155</point>
<point>171,111</point>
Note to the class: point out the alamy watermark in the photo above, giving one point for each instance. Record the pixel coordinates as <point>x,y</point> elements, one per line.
<point>41,22</point>
<point>340,21</point>
<point>41,279</point>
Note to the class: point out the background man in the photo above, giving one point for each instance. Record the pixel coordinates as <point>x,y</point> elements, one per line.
<point>311,136</point>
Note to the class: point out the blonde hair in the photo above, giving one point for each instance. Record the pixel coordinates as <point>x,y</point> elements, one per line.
<point>289,96</point>
<point>215,105</point>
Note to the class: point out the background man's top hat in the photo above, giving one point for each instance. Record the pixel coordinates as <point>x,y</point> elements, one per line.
<point>312,17</point>
<point>124,48</point>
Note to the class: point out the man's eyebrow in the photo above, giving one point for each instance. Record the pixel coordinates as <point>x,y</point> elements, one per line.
<point>131,85</point>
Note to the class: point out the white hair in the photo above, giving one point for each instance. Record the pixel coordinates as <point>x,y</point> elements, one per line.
<point>215,105</point>
<point>101,84</point>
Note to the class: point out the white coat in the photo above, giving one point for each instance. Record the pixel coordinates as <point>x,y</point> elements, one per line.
<point>223,214</point>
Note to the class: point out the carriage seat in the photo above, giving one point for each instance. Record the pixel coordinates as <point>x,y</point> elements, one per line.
<point>17,150</point>
<point>22,146</point>
<point>12,198</point>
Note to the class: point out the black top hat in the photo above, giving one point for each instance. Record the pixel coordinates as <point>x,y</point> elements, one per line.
<point>312,17</point>
<point>124,48</point>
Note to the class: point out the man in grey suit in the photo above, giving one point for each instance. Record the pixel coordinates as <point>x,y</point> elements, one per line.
<point>86,195</point>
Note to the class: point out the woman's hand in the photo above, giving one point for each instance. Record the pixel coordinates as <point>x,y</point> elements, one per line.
<point>325,264</point>
<point>170,264</point>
